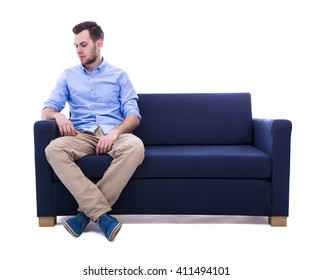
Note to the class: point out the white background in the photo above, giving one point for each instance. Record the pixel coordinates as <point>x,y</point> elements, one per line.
<point>262,47</point>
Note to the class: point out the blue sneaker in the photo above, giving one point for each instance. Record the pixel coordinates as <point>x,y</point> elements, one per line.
<point>75,226</point>
<point>110,226</point>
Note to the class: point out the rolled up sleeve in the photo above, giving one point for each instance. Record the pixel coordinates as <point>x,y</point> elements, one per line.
<point>128,97</point>
<point>59,95</point>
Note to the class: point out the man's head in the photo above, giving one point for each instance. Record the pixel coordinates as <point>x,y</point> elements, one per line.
<point>95,31</point>
<point>89,41</point>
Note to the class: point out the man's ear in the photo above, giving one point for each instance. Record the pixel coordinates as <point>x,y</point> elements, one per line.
<point>99,43</point>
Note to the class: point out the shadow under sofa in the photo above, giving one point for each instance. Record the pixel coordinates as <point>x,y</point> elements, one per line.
<point>204,155</point>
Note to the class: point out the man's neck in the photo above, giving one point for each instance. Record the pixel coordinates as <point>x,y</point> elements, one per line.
<point>90,67</point>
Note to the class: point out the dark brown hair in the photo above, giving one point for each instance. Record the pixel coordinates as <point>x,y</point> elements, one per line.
<point>95,30</point>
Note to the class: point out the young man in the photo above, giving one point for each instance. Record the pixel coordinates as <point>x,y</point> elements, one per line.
<point>103,113</point>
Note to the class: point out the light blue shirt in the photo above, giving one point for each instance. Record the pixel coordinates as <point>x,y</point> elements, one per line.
<point>102,98</point>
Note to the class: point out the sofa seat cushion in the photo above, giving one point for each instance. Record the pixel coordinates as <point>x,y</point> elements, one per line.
<point>236,161</point>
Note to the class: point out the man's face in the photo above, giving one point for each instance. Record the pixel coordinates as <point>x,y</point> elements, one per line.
<point>87,51</point>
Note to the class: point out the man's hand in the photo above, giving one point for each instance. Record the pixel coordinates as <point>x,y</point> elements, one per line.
<point>65,126</point>
<point>106,142</point>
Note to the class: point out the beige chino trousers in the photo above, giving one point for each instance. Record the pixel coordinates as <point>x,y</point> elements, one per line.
<point>95,199</point>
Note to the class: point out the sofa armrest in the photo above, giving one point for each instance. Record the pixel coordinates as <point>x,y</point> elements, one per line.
<point>44,132</point>
<point>273,136</point>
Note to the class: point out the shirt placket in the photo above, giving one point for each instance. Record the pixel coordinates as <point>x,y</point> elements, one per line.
<point>92,95</point>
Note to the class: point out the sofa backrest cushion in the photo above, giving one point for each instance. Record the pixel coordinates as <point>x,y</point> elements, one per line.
<point>195,119</point>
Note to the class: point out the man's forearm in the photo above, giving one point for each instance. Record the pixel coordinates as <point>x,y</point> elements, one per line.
<point>128,125</point>
<point>48,114</point>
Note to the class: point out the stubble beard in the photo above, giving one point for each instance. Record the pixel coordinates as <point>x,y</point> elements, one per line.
<point>92,59</point>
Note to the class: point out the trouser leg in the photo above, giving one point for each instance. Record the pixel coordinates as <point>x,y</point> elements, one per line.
<point>127,153</point>
<point>61,154</point>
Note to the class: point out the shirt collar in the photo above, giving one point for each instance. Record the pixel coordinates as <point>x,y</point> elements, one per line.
<point>96,70</point>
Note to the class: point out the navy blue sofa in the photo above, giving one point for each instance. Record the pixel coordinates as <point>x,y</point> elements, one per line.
<point>204,155</point>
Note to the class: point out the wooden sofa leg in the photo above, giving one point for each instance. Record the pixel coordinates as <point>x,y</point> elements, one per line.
<point>47,221</point>
<point>278,221</point>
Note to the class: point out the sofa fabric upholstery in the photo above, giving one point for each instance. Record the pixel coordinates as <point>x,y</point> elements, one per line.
<point>204,155</point>
<point>198,119</point>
